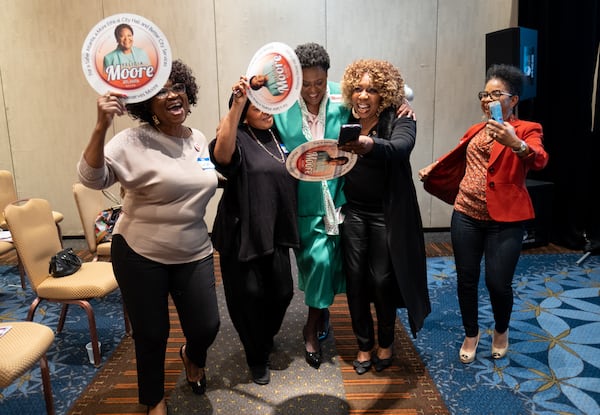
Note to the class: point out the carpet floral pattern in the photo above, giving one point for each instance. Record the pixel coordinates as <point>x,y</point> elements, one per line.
<point>553,364</point>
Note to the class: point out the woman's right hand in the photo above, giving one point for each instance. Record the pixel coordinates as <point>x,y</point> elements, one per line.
<point>109,105</point>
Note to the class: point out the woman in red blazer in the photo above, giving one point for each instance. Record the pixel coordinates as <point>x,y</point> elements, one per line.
<point>484,178</point>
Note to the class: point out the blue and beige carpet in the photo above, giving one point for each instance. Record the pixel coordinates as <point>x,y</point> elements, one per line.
<point>553,365</point>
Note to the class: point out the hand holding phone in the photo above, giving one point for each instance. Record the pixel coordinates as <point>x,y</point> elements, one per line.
<point>348,132</point>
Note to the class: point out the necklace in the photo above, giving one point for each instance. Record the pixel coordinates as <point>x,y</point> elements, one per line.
<point>281,157</point>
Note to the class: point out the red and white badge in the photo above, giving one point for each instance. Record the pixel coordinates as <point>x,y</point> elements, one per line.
<point>275,78</point>
<point>318,160</point>
<point>129,54</point>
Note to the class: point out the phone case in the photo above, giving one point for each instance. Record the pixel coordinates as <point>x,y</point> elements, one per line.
<point>496,111</point>
<point>348,132</point>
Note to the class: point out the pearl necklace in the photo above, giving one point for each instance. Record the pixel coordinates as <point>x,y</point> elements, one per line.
<point>281,157</point>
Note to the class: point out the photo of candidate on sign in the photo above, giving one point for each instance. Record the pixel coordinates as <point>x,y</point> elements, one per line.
<point>275,78</point>
<point>319,160</point>
<point>126,53</point>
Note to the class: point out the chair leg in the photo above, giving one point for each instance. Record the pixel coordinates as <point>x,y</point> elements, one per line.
<point>93,332</point>
<point>63,317</point>
<point>34,305</point>
<point>47,385</point>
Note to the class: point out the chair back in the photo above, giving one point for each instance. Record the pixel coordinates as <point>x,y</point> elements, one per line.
<point>35,236</point>
<point>8,193</point>
<point>89,204</point>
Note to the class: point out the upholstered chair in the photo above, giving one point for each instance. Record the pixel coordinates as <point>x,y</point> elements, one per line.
<point>21,347</point>
<point>37,240</point>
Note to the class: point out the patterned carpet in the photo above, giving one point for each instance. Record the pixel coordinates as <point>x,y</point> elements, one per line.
<point>419,382</point>
<point>553,364</point>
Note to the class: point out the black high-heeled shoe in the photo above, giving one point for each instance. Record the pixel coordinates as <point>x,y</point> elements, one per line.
<point>198,386</point>
<point>312,358</point>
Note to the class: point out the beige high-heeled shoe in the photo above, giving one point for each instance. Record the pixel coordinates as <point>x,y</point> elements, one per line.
<point>499,352</point>
<point>468,357</point>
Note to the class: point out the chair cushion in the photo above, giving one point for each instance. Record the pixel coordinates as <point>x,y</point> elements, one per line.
<point>21,348</point>
<point>93,279</point>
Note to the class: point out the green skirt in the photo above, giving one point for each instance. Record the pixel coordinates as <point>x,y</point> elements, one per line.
<point>319,261</point>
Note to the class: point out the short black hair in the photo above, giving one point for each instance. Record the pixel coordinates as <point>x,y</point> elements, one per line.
<point>120,27</point>
<point>311,55</point>
<point>512,76</point>
<point>180,73</point>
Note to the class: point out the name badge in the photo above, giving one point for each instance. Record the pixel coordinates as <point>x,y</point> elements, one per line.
<point>205,163</point>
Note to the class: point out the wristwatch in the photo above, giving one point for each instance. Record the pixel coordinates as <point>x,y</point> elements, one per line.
<point>522,148</point>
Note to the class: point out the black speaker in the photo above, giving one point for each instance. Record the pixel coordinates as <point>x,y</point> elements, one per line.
<point>515,46</point>
<point>537,230</point>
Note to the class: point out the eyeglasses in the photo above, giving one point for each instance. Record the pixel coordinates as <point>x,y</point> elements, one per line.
<point>495,94</point>
<point>176,89</point>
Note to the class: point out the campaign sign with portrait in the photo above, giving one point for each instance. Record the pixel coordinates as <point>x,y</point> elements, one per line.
<point>275,78</point>
<point>128,54</point>
<point>319,160</point>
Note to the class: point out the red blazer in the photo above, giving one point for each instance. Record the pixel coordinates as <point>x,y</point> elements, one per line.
<point>507,197</point>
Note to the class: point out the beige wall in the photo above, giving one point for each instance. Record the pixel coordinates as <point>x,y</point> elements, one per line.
<point>48,108</point>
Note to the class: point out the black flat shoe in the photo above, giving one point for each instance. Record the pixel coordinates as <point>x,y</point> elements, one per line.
<point>362,367</point>
<point>381,364</point>
<point>261,375</point>
<point>199,386</point>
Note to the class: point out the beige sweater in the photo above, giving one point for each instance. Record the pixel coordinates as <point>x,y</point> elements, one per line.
<point>168,182</point>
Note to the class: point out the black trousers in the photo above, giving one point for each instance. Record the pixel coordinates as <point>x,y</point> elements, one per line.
<point>500,244</point>
<point>369,277</point>
<point>258,293</point>
<point>145,286</point>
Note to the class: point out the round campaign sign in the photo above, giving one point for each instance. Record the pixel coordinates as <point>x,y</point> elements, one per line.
<point>129,54</point>
<point>275,78</point>
<point>319,160</point>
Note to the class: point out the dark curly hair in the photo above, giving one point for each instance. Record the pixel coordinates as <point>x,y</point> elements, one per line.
<point>311,55</point>
<point>385,77</point>
<point>180,73</point>
<point>510,75</point>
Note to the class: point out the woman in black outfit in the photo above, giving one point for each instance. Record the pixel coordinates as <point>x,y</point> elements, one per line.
<point>382,235</point>
<point>255,226</point>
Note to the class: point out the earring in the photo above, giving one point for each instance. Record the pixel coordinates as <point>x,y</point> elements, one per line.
<point>155,119</point>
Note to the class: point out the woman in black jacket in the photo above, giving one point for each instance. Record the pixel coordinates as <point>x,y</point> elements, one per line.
<point>382,235</point>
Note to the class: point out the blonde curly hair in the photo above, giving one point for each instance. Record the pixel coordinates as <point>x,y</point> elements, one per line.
<point>385,78</point>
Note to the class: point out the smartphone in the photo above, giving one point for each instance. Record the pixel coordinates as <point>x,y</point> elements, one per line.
<point>348,132</point>
<point>496,111</point>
